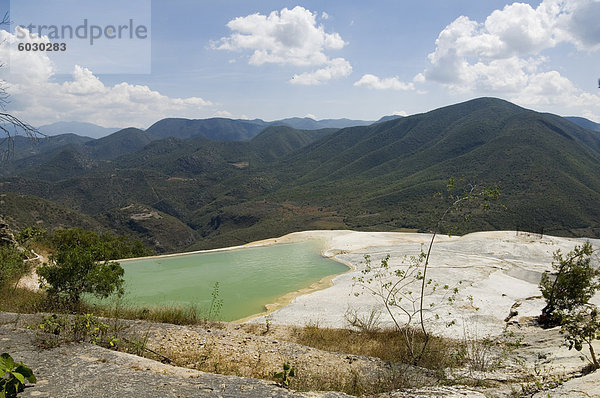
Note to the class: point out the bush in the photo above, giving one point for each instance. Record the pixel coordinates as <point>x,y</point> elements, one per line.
<point>573,283</point>
<point>567,293</point>
<point>81,264</point>
<point>28,235</point>
<point>75,271</point>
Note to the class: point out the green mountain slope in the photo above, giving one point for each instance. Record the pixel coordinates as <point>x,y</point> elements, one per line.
<point>25,147</point>
<point>278,141</point>
<point>120,143</point>
<point>220,129</point>
<point>539,161</point>
<point>65,156</point>
<point>27,210</point>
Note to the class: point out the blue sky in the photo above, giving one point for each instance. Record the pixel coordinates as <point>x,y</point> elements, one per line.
<point>326,59</point>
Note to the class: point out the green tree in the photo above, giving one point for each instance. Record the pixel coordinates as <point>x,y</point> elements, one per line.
<point>571,285</point>
<point>82,263</point>
<point>104,246</point>
<point>75,271</point>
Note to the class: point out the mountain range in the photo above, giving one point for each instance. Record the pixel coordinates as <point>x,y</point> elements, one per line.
<point>216,128</point>
<point>190,184</point>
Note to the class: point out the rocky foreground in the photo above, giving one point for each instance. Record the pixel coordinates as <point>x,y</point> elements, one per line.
<point>528,362</point>
<point>89,371</point>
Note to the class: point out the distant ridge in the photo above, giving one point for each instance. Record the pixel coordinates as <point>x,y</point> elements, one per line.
<point>79,128</point>
<point>388,118</point>
<point>188,128</point>
<point>307,123</point>
<point>220,129</point>
<point>585,123</point>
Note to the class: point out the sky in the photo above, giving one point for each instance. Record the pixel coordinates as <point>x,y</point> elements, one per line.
<point>321,59</point>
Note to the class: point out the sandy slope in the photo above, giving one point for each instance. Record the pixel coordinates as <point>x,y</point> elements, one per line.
<point>499,270</point>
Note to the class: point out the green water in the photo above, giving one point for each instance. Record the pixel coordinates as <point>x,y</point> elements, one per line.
<point>248,278</point>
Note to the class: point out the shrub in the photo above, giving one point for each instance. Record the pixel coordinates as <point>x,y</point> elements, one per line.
<point>573,283</point>
<point>75,271</point>
<point>567,293</point>
<point>81,263</point>
<point>402,290</point>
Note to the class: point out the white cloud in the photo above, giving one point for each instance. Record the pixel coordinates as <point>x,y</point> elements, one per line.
<point>391,83</point>
<point>582,26</point>
<point>224,114</point>
<point>550,88</point>
<point>24,65</point>
<point>595,117</point>
<point>287,37</point>
<point>504,54</point>
<point>36,98</point>
<point>336,68</point>
<point>419,78</point>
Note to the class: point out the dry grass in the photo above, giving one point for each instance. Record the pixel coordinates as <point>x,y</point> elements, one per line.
<point>175,315</point>
<point>387,344</point>
<point>352,382</point>
<point>22,300</point>
<point>309,376</point>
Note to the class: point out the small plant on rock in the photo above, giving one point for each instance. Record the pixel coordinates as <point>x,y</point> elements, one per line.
<point>583,327</point>
<point>216,304</point>
<point>284,375</point>
<point>368,323</point>
<point>77,328</point>
<point>13,376</point>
